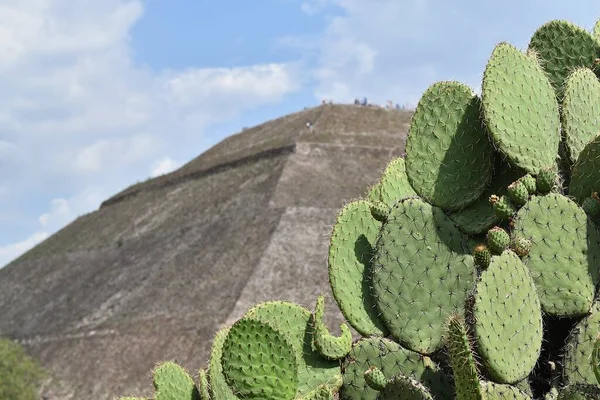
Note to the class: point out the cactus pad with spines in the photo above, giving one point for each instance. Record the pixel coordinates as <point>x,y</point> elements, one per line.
<point>509,346</point>
<point>580,392</point>
<point>530,183</point>
<point>203,386</point>
<point>375,378</point>
<point>527,135</point>
<point>391,358</point>
<point>419,260</point>
<point>218,384</point>
<point>518,193</point>
<point>259,362</point>
<point>448,156</point>
<point>577,361</point>
<point>498,240</point>
<point>564,255</point>
<point>404,387</point>
<point>546,180</point>
<point>591,206</point>
<point>294,322</point>
<point>580,110</point>
<point>562,47</point>
<point>596,357</point>
<point>394,184</point>
<point>585,177</point>
<point>379,211</point>
<point>497,391</point>
<point>482,256</point>
<point>172,382</point>
<point>350,252</point>
<point>466,376</point>
<point>480,216</point>
<point>520,245</point>
<point>503,206</point>
<point>330,347</point>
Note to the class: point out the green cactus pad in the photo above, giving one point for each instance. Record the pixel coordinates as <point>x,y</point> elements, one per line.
<point>577,361</point>
<point>518,193</point>
<point>172,382</point>
<point>330,347</point>
<point>498,240</point>
<point>580,110</point>
<point>448,155</point>
<point>596,30</point>
<point>466,377</point>
<point>295,322</point>
<point>520,109</point>
<point>379,211</point>
<point>373,193</point>
<point>259,362</point>
<point>580,392</point>
<point>596,357</point>
<point>509,347</point>
<point>406,388</point>
<point>482,256</point>
<point>565,253</point>
<point>218,385</point>
<point>375,378</point>
<point>350,252</point>
<point>530,183</point>
<point>480,216</point>
<point>394,184</point>
<point>591,206</point>
<point>323,392</point>
<point>585,177</point>
<point>546,180</point>
<point>503,207</point>
<point>203,387</point>
<point>562,47</point>
<point>418,262</point>
<point>496,391</point>
<point>391,359</point>
<point>520,245</point>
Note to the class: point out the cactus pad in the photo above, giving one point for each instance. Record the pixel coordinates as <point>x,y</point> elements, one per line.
<point>509,347</point>
<point>203,387</point>
<point>394,184</point>
<point>379,211</point>
<point>418,262</point>
<point>482,256</point>
<point>350,252</point>
<point>530,183</point>
<point>562,47</point>
<point>546,180</point>
<point>565,253</point>
<point>172,382</point>
<point>466,377</point>
<point>448,155</point>
<point>294,322</point>
<point>406,388</point>
<point>259,362</point>
<point>498,240</point>
<point>577,362</point>
<point>591,206</point>
<point>512,83</point>
<point>580,392</point>
<point>585,178</point>
<point>330,347</point>
<point>580,110</point>
<point>480,216</point>
<point>375,378</point>
<point>518,193</point>
<point>495,391</point>
<point>218,384</point>
<point>391,359</point>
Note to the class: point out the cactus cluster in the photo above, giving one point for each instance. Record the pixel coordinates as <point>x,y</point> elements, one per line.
<point>470,269</point>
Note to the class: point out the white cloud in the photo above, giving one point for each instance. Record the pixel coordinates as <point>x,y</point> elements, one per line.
<point>79,120</point>
<point>164,166</point>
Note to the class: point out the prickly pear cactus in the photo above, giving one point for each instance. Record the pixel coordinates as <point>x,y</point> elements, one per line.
<point>471,269</point>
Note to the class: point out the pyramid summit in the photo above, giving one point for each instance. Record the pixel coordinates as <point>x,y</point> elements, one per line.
<point>161,266</point>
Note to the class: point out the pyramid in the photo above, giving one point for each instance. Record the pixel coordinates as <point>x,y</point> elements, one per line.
<point>154,272</point>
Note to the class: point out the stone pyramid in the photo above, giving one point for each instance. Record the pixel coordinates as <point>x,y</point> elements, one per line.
<point>161,266</point>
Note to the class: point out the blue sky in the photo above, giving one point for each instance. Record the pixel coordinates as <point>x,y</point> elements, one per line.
<point>97,95</point>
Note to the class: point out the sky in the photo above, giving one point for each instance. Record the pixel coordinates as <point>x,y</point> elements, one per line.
<point>98,95</point>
